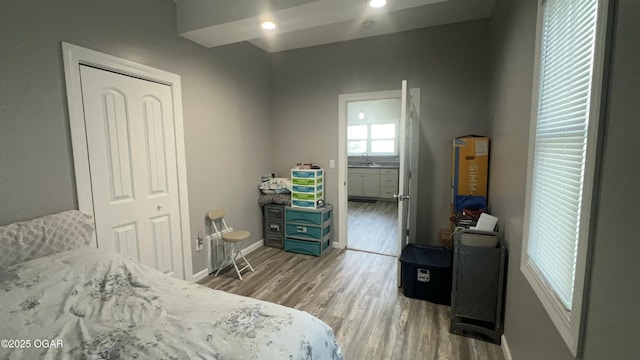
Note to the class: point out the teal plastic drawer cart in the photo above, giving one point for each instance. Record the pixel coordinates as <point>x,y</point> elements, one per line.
<point>308,187</point>
<point>308,231</point>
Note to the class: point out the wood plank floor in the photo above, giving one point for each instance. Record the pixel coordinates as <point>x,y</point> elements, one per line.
<point>373,226</point>
<point>356,294</point>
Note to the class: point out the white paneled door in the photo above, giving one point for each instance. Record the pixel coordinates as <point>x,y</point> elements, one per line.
<point>404,149</point>
<point>132,161</point>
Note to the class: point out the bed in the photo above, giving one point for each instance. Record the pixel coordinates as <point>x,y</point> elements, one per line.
<point>70,301</point>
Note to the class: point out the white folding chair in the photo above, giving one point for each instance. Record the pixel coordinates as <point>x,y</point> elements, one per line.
<point>230,238</point>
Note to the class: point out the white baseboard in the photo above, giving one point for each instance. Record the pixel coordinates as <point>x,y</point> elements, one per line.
<point>201,275</point>
<point>505,348</point>
<point>253,247</point>
<point>246,251</point>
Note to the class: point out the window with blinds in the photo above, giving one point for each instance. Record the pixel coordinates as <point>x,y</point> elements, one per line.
<point>568,39</point>
<point>562,158</point>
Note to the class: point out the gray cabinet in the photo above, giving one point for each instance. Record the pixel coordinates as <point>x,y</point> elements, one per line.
<point>273,220</point>
<point>372,183</point>
<point>354,184</point>
<point>364,182</point>
<point>388,183</point>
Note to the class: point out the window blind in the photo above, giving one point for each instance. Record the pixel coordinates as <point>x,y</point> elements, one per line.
<point>566,68</point>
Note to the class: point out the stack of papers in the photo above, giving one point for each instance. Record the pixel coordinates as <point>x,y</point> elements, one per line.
<point>486,222</point>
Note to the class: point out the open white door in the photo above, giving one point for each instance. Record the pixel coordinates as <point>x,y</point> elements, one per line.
<point>404,149</point>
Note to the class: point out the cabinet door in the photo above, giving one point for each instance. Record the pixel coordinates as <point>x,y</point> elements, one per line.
<point>388,183</point>
<point>371,185</point>
<point>387,192</point>
<point>354,184</point>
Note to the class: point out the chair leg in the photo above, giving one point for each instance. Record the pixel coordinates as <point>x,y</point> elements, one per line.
<point>247,262</point>
<point>223,261</point>
<point>234,251</point>
<point>233,255</point>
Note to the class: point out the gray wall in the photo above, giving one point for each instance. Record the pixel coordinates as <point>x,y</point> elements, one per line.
<point>227,109</point>
<point>448,63</point>
<point>225,102</point>
<point>612,312</point>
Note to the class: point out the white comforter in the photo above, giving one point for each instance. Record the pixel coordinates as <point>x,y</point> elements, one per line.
<point>91,304</point>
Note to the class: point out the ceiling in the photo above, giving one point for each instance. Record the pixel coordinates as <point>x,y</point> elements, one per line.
<point>303,23</point>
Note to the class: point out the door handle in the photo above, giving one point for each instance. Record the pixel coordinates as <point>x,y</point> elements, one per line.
<point>401,197</point>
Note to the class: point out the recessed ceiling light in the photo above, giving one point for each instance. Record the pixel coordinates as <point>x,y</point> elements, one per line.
<point>377,3</point>
<point>268,25</point>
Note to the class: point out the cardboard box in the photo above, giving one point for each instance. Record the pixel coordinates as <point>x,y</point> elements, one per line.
<point>470,172</point>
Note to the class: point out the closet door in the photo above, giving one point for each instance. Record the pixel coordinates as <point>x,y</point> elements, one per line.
<point>132,156</point>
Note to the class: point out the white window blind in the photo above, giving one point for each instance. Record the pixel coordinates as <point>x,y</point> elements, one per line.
<point>558,171</point>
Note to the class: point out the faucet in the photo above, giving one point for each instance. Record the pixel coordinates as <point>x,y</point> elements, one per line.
<point>366,154</point>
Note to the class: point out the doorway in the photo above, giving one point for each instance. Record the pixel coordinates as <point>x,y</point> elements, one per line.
<point>373,163</point>
<point>373,151</point>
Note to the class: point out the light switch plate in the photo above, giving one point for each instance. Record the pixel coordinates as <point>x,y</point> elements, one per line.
<point>332,164</point>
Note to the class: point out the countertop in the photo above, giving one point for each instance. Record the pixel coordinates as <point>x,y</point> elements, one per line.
<point>373,166</point>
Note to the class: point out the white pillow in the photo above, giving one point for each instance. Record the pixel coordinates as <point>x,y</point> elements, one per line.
<point>44,236</point>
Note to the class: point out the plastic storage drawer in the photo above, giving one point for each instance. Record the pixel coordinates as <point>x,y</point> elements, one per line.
<point>307,182</point>
<point>274,212</point>
<point>307,189</point>
<point>273,225</point>
<point>271,240</point>
<point>315,248</point>
<point>307,173</point>
<point>307,231</point>
<point>307,196</point>
<point>303,204</point>
<point>303,217</point>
